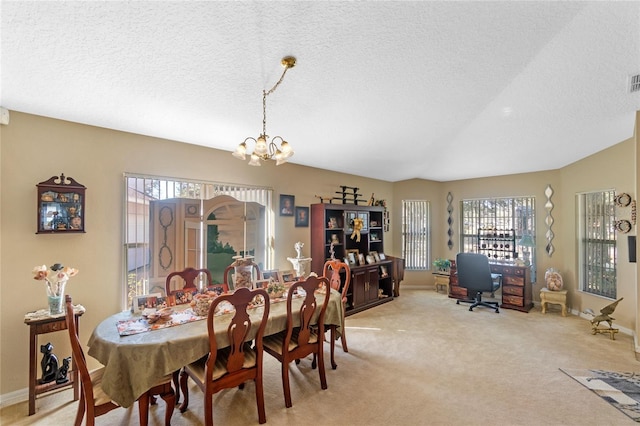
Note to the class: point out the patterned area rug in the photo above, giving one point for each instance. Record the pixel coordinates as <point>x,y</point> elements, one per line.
<point>622,390</point>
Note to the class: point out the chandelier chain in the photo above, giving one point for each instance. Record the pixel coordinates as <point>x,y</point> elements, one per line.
<point>266,93</point>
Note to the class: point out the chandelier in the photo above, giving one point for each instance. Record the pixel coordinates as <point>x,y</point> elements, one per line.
<point>265,149</point>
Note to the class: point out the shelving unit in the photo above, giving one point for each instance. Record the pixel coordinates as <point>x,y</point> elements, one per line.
<point>497,244</point>
<point>332,228</point>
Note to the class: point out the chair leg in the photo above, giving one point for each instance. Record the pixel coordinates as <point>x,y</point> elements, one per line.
<point>169,397</point>
<point>323,377</point>
<point>176,385</point>
<point>81,408</point>
<point>333,346</point>
<point>262,416</point>
<point>344,340</point>
<point>185,391</point>
<point>208,409</point>
<point>343,337</point>
<point>285,384</point>
<point>143,408</point>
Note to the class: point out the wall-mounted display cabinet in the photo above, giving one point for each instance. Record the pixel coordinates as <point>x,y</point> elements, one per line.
<point>60,206</point>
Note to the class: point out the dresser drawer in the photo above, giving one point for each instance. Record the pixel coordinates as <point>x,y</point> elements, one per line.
<point>513,280</point>
<point>513,290</point>
<point>458,291</point>
<point>510,299</point>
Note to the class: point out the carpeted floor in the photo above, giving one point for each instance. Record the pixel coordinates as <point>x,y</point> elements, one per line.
<point>420,359</point>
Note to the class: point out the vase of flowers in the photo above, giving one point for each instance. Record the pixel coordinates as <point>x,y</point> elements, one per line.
<point>56,278</point>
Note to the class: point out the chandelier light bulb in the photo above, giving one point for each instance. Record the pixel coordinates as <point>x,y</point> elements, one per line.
<point>286,149</point>
<point>240,151</point>
<point>255,160</point>
<point>261,146</point>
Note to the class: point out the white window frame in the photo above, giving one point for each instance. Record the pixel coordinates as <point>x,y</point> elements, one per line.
<point>416,234</point>
<point>597,243</point>
<point>136,219</point>
<point>517,213</point>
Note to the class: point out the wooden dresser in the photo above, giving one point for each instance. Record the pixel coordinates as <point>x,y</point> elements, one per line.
<point>516,286</point>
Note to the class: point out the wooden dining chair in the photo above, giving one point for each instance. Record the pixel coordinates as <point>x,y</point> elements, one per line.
<point>233,365</point>
<point>304,333</point>
<point>188,277</point>
<point>332,271</point>
<point>93,400</point>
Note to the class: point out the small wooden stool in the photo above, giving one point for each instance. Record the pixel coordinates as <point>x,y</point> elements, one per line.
<point>441,280</point>
<point>557,297</point>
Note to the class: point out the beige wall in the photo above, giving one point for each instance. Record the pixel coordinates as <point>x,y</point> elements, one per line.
<point>36,148</point>
<point>613,168</point>
<point>32,149</point>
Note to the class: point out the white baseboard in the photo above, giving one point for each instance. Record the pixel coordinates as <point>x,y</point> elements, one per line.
<point>14,397</point>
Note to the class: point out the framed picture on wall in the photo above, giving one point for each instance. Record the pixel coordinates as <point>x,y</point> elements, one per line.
<point>302,216</point>
<point>286,205</point>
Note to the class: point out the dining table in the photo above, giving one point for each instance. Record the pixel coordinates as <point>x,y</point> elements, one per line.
<point>134,363</point>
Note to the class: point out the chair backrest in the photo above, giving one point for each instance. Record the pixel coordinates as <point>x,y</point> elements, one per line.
<point>331,271</point>
<point>238,329</point>
<point>189,276</point>
<point>307,312</point>
<point>230,270</point>
<point>474,272</point>
<point>78,357</point>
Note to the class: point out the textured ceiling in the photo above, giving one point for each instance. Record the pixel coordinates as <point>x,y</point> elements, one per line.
<point>389,90</point>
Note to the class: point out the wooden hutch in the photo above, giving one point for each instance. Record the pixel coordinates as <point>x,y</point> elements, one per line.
<point>372,283</point>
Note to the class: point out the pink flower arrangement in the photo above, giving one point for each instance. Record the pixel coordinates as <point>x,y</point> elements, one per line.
<point>56,277</point>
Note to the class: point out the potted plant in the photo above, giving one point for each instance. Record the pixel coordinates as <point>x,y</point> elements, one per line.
<point>441,265</point>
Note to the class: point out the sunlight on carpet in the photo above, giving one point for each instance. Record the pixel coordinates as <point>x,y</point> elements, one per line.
<point>622,390</point>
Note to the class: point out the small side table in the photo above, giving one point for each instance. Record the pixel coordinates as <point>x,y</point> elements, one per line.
<point>441,280</point>
<point>42,325</point>
<point>556,297</point>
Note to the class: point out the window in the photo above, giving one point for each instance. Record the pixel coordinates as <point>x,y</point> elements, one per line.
<point>416,233</point>
<point>517,213</point>
<point>597,249</point>
<point>143,191</point>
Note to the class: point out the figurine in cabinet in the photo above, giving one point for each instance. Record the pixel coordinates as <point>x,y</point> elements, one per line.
<point>60,205</point>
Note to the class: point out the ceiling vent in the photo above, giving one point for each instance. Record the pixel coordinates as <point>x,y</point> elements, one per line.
<point>634,83</point>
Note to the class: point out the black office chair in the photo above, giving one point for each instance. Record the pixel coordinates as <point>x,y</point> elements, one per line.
<point>474,273</point>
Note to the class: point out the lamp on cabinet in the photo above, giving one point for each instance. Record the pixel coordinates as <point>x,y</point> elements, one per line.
<point>527,242</point>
